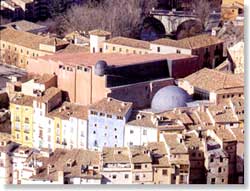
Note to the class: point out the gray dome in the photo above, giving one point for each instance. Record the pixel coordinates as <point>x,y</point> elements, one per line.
<point>168,98</point>
<point>100,67</point>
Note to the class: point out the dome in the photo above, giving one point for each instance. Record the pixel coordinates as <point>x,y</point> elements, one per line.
<point>168,98</point>
<point>100,67</point>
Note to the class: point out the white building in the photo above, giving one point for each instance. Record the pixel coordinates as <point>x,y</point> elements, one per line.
<point>140,129</point>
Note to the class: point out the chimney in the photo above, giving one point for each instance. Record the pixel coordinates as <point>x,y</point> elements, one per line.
<point>60,175</point>
<point>48,169</point>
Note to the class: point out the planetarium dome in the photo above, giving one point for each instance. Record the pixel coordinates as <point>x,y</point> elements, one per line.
<point>100,67</point>
<point>168,98</point>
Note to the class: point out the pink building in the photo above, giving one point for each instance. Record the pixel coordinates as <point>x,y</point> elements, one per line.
<point>88,77</point>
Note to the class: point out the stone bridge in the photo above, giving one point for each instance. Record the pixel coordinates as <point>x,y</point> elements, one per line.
<point>172,19</point>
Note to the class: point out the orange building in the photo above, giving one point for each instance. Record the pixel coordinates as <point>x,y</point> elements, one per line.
<point>88,77</point>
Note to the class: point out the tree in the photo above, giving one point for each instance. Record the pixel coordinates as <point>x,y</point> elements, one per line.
<point>202,9</point>
<point>122,18</point>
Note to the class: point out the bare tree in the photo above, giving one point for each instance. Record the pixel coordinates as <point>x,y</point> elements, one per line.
<point>122,18</point>
<point>202,9</point>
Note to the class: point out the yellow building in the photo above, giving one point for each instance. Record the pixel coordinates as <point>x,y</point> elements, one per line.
<point>126,46</point>
<point>22,120</point>
<point>16,47</point>
<point>230,9</point>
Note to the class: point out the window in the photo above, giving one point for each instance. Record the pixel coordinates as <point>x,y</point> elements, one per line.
<point>27,52</point>
<point>212,180</point>
<point>137,166</point>
<point>120,49</point>
<point>17,118</point>
<point>144,132</point>
<point>107,47</point>
<point>158,49</point>
<point>115,129</point>
<point>102,114</point>
<point>126,176</point>
<point>100,49</point>
<point>134,51</point>
<point>109,116</point>
<point>17,136</point>
<point>211,160</point>
<point>119,117</point>
<point>93,132</point>
<point>26,138</point>
<point>113,48</point>
<point>178,51</point>
<point>26,120</point>
<point>49,138</point>
<point>114,176</point>
<point>219,169</point>
<point>95,143</point>
<point>137,177</point>
<point>115,136</point>
<point>93,49</point>
<point>3,45</point>
<point>222,180</point>
<point>164,172</point>
<point>131,131</point>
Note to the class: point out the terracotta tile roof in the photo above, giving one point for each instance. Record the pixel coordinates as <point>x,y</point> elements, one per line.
<point>99,32</point>
<point>21,38</point>
<point>130,42</point>
<point>157,147</point>
<point>139,154</point>
<point>27,39</point>
<point>55,41</point>
<point>222,113</point>
<point>112,59</point>
<point>115,155</point>
<point>43,78</point>
<point>238,133</point>
<point>71,48</point>
<point>111,106</point>
<point>224,134</point>
<point>78,157</point>
<point>192,140</point>
<point>67,110</point>
<point>49,94</point>
<point>158,153</point>
<point>141,119</point>
<point>213,80</point>
<point>24,25</point>
<point>173,142</point>
<point>5,137</point>
<point>204,117</point>
<point>23,100</point>
<point>191,42</point>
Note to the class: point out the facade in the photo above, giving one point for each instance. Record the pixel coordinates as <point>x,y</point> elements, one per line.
<point>209,49</point>
<point>140,129</point>
<point>178,156</point>
<point>6,149</point>
<point>236,57</point>
<point>70,126</point>
<point>213,85</point>
<point>116,166</point>
<point>16,47</point>
<point>216,163</point>
<point>21,108</point>
<point>126,46</point>
<point>193,140</point>
<point>141,163</point>
<point>105,75</point>
<point>106,123</point>
<point>44,130</point>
